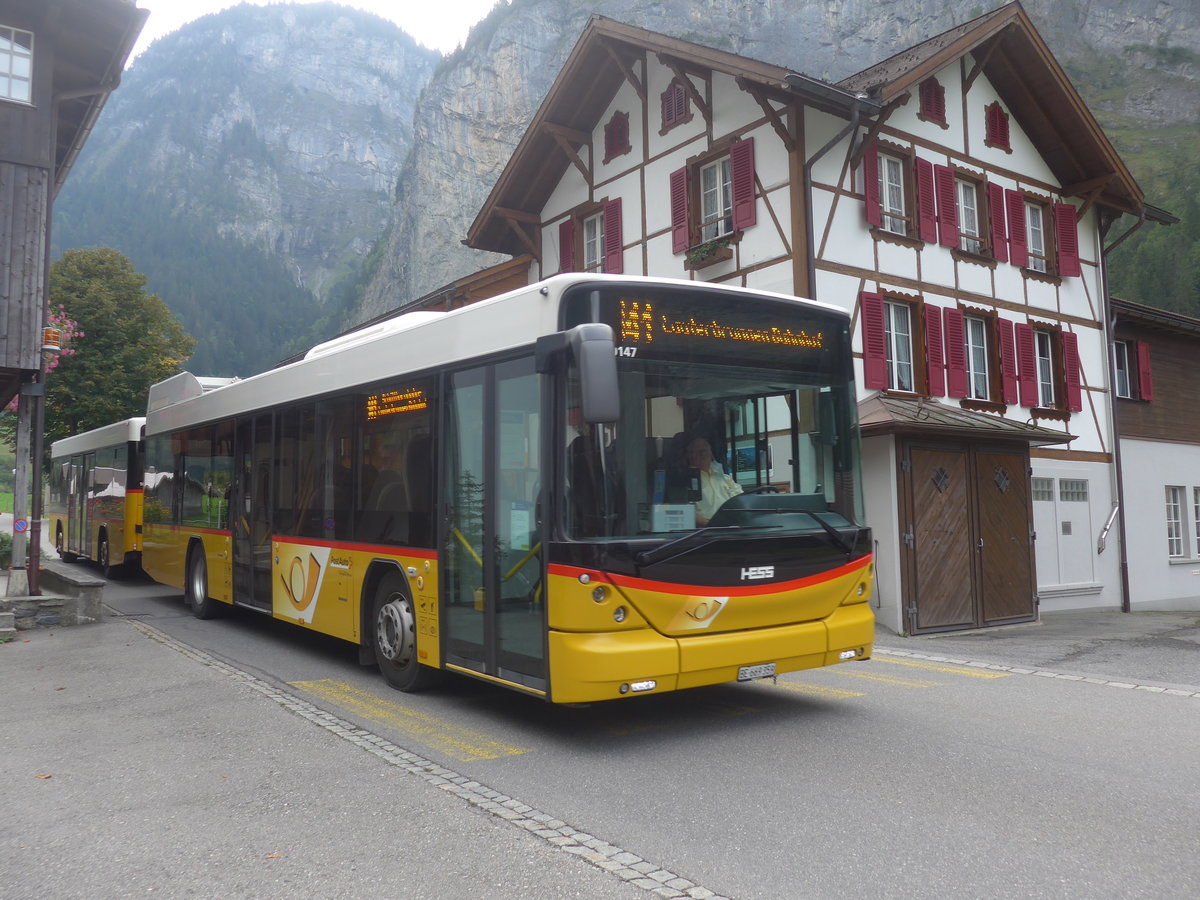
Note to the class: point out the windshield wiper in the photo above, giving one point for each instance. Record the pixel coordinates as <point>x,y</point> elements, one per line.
<point>686,542</point>
<point>840,538</point>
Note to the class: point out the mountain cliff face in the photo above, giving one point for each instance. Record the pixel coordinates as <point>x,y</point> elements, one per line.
<point>1136,62</point>
<point>269,139</point>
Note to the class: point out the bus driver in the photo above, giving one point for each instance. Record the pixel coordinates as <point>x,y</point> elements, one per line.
<point>715,486</point>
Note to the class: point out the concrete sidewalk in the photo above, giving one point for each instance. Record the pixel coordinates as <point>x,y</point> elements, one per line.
<point>1160,648</point>
<point>136,766</point>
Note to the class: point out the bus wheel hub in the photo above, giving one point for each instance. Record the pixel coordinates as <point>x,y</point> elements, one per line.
<point>395,631</point>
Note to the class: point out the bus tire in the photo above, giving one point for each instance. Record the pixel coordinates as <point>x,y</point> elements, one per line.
<point>103,557</point>
<point>58,546</point>
<point>196,587</point>
<point>394,637</point>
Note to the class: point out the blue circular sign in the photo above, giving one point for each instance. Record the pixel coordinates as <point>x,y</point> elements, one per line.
<point>20,526</point>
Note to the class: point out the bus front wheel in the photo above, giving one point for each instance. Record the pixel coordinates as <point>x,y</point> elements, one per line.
<point>102,557</point>
<point>196,594</point>
<point>394,637</point>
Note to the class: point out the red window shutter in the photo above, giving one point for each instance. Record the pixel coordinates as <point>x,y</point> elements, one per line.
<point>1070,345</point>
<point>997,126</point>
<point>566,246</point>
<point>956,354</point>
<point>947,206</point>
<point>926,204</point>
<point>1145,382</point>
<point>1008,360</point>
<point>871,185</point>
<point>1026,365</point>
<point>680,236</point>
<point>1067,233</point>
<point>995,195</point>
<point>933,100</point>
<point>875,374</point>
<point>1018,240</point>
<point>935,356</point>
<point>614,247</point>
<point>741,173</point>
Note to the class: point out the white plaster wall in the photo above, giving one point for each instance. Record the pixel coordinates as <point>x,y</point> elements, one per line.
<point>882,502</point>
<point>1156,581</point>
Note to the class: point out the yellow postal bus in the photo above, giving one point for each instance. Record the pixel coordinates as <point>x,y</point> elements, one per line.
<point>510,490</point>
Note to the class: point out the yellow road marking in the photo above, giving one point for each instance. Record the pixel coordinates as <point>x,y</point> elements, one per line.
<point>460,743</point>
<point>818,690</point>
<point>940,667</point>
<point>887,679</point>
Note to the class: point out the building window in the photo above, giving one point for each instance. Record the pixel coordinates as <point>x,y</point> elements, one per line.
<point>1042,489</point>
<point>1035,233</point>
<point>1073,490</point>
<point>713,196</point>
<point>979,385</point>
<point>676,107</point>
<point>593,243</point>
<point>616,136</point>
<point>716,200</point>
<point>16,64</point>
<point>1043,236</point>
<point>891,195</point>
<point>996,127</point>
<point>590,240</point>
<point>970,236</point>
<point>898,332</point>
<point>932,102</point>
<point>1175,527</point>
<point>1121,379</point>
<point>1043,342</point>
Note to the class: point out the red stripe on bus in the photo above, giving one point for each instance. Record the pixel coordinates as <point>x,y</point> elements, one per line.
<point>420,553</point>
<point>707,590</point>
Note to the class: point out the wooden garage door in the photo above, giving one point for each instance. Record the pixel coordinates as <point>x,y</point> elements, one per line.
<point>941,544</point>
<point>1007,585</point>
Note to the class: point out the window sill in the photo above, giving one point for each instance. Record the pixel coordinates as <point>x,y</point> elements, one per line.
<point>720,255</point>
<point>987,406</point>
<point>1045,277</point>
<point>979,260</point>
<point>1044,412</point>
<point>891,237</point>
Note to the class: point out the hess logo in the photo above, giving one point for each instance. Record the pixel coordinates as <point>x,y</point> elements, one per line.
<point>754,573</point>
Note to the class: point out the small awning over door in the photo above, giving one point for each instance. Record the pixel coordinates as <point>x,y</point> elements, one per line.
<point>880,414</point>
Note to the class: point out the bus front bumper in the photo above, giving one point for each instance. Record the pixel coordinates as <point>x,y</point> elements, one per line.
<point>586,667</point>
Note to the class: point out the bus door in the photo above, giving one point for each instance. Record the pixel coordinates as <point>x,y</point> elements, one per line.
<point>250,516</point>
<point>493,605</point>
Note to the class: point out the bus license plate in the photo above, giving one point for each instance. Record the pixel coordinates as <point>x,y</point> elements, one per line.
<point>749,673</point>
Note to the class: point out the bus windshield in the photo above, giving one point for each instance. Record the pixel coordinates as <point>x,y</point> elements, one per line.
<point>717,432</point>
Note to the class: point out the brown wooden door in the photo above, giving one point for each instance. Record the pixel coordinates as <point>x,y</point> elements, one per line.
<point>941,540</point>
<point>1007,586</point>
<point>969,560</point>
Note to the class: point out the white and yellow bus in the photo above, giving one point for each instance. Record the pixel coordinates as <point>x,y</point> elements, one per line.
<point>504,490</point>
<point>94,495</point>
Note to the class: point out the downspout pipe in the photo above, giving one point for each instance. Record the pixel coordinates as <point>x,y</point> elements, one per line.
<point>1118,476</point>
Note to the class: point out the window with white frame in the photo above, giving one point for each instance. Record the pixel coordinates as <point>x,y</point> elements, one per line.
<point>716,200</point>
<point>1035,235</point>
<point>1175,526</point>
<point>979,386</point>
<point>898,330</point>
<point>970,238</point>
<point>1196,520</point>
<point>593,243</point>
<point>1122,383</point>
<point>1043,342</point>
<point>16,64</point>
<point>891,194</point>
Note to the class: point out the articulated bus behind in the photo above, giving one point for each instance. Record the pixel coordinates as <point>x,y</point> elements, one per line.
<point>94,495</point>
<point>508,490</point>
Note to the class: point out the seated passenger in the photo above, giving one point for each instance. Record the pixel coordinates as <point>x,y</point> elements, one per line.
<point>715,486</point>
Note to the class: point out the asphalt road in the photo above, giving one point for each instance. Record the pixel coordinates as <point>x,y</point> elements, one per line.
<point>904,776</point>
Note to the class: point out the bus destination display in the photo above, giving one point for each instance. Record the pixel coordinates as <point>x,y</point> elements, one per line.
<point>391,403</point>
<point>642,322</point>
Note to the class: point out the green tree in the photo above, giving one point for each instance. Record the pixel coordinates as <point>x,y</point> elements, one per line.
<point>128,340</point>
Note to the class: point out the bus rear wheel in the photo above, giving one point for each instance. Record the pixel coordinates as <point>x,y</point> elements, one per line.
<point>394,637</point>
<point>102,557</point>
<point>196,587</point>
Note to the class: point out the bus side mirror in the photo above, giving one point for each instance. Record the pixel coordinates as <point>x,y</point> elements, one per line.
<point>591,345</point>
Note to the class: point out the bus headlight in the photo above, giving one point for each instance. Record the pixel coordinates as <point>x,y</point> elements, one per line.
<point>619,614</point>
<point>599,593</point>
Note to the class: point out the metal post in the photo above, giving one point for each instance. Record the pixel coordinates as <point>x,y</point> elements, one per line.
<point>35,511</point>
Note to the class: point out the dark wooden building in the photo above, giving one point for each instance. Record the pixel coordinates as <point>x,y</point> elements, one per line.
<point>59,60</point>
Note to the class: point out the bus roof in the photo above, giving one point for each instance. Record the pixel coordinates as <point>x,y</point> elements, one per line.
<point>99,438</point>
<point>413,342</point>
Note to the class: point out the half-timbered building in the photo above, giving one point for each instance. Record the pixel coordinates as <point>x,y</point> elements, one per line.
<point>955,197</point>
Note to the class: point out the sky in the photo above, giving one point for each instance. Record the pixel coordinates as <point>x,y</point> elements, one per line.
<point>440,25</point>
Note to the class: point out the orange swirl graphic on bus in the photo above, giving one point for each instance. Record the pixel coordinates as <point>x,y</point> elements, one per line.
<point>300,590</point>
